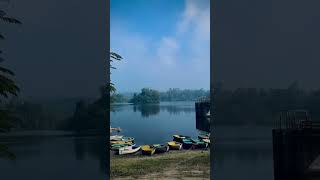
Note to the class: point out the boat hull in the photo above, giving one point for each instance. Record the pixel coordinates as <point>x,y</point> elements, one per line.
<point>121,142</point>
<point>116,147</point>
<point>180,138</point>
<point>148,150</point>
<point>161,149</point>
<point>116,138</point>
<point>129,150</point>
<point>199,144</point>
<point>175,145</point>
<point>187,145</point>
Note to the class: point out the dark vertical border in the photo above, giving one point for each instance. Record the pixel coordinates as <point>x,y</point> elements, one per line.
<point>213,45</point>
<point>107,128</point>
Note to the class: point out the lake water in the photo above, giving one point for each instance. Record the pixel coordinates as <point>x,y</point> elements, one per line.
<point>239,152</point>
<point>154,124</point>
<point>242,153</point>
<point>55,157</point>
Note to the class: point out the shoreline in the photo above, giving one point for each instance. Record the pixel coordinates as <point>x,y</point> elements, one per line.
<point>50,133</point>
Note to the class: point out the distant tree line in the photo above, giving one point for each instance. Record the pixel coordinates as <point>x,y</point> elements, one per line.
<point>74,114</point>
<point>176,94</point>
<point>153,96</point>
<point>89,116</point>
<point>262,106</point>
<point>241,106</point>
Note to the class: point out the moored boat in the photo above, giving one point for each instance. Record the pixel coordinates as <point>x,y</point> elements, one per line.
<point>179,138</point>
<point>208,114</point>
<point>173,145</point>
<point>199,144</point>
<point>160,148</point>
<point>187,143</point>
<point>206,140</point>
<point>148,149</point>
<point>128,139</point>
<point>121,142</point>
<point>116,138</point>
<point>116,147</point>
<point>129,149</point>
<point>203,137</point>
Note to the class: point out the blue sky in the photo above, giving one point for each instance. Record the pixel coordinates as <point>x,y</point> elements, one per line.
<point>164,44</point>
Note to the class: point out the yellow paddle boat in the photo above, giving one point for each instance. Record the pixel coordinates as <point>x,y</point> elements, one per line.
<point>148,149</point>
<point>173,145</point>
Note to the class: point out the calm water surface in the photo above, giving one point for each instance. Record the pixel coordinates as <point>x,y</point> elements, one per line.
<point>243,153</point>
<point>153,124</point>
<point>53,158</point>
<point>239,152</point>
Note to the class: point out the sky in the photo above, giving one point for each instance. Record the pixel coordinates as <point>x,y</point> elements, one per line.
<point>268,43</point>
<point>164,44</point>
<point>60,48</point>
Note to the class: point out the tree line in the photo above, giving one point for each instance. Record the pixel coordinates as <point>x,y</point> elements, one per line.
<point>243,106</point>
<point>148,95</point>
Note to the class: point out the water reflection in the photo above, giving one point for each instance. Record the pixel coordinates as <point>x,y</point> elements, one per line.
<point>79,149</point>
<point>85,148</point>
<point>247,159</point>
<point>161,121</point>
<point>147,110</point>
<point>247,150</point>
<point>176,110</point>
<point>5,153</point>
<point>69,157</point>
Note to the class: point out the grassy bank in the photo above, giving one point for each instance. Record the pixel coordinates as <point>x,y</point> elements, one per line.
<point>171,165</point>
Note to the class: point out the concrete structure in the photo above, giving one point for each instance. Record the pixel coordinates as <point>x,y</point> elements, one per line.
<point>295,145</point>
<point>202,107</point>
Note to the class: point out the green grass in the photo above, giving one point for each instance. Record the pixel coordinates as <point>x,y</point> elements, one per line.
<point>183,161</point>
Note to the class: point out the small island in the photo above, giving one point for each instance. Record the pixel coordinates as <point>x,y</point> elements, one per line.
<point>147,96</point>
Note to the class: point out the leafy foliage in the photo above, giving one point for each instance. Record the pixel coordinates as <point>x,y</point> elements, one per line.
<point>119,98</point>
<point>146,96</point>
<point>176,94</point>
<point>7,87</point>
<point>113,57</point>
<point>5,153</point>
<point>6,19</point>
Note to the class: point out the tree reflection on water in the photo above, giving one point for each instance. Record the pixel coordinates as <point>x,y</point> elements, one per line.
<point>154,109</point>
<point>5,153</point>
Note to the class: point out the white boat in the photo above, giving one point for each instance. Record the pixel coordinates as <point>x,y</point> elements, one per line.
<point>129,149</point>
<point>116,138</point>
<point>208,114</point>
<point>206,140</point>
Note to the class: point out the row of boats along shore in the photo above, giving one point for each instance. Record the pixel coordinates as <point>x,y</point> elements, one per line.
<point>126,145</point>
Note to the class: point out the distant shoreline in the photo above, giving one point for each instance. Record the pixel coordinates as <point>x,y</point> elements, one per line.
<point>49,133</point>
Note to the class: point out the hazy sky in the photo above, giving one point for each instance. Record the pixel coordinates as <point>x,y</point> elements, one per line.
<point>164,43</point>
<point>60,49</point>
<point>268,43</point>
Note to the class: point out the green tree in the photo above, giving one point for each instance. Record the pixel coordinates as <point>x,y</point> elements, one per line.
<point>146,96</point>
<point>7,84</point>
<point>7,87</point>
<point>113,57</point>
